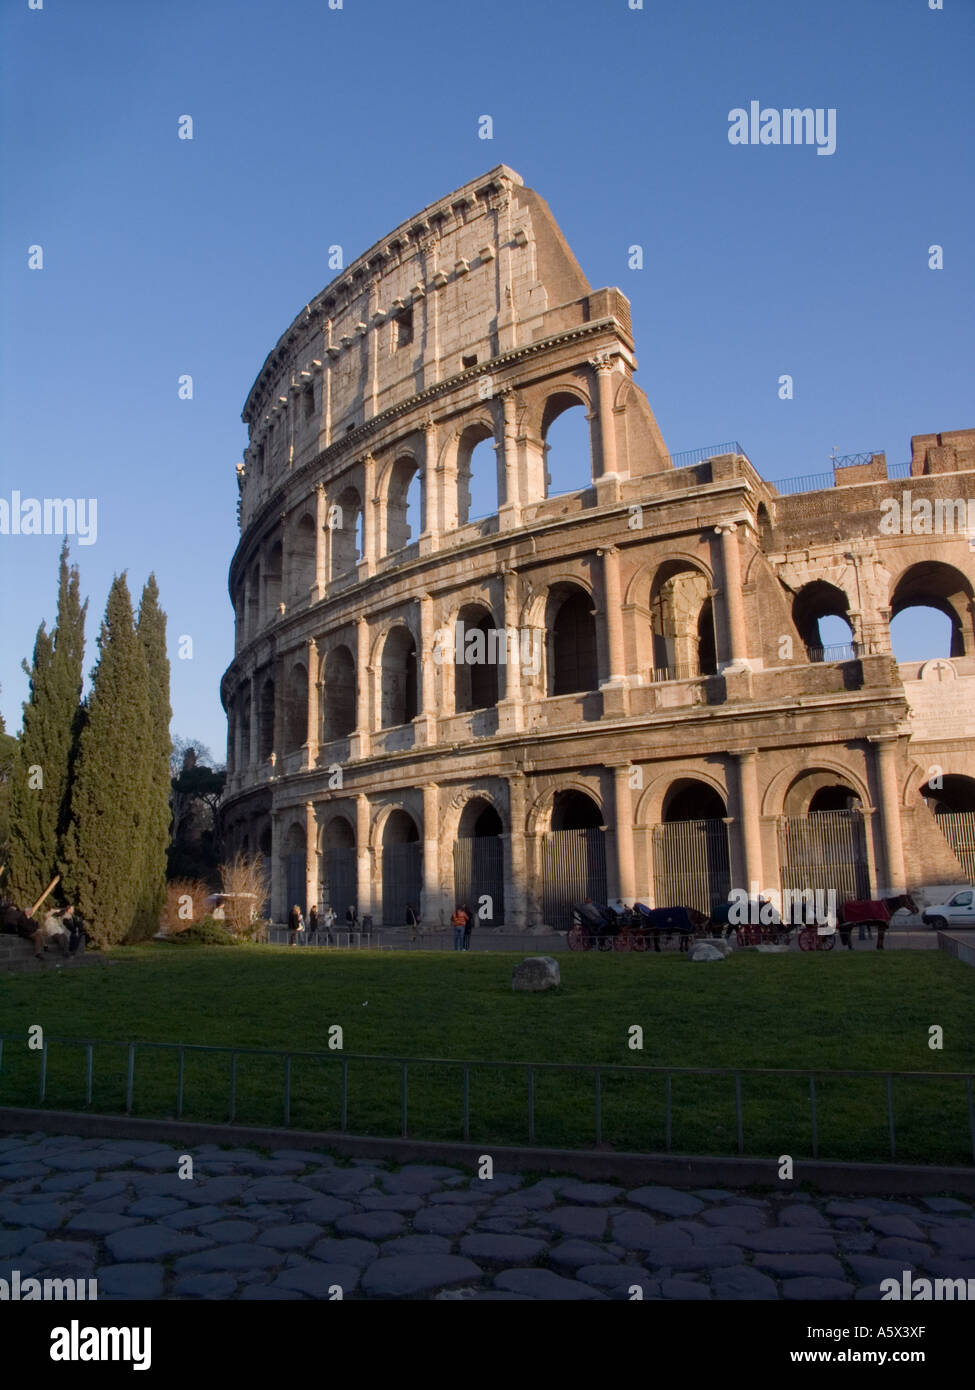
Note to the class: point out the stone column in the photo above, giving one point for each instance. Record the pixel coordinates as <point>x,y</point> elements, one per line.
<point>279,701</point>
<point>602,365</point>
<point>509,510</point>
<point>311,856</point>
<point>278,884</point>
<point>366,895</point>
<point>614,614</point>
<point>734,607</point>
<point>427,672</point>
<point>885,753</point>
<point>623,816</point>
<point>510,710</point>
<point>430,535</point>
<point>314,687</point>
<point>363,678</point>
<point>430,905</point>
<point>370,516</point>
<point>515,864</point>
<point>751,828</point>
<point>255,747</point>
<point>322,539</point>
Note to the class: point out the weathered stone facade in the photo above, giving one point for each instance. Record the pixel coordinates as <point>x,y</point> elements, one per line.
<point>659,628</point>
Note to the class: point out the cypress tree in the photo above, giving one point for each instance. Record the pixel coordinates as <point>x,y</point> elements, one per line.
<point>104,849</point>
<point>157,747</point>
<point>40,788</point>
<point>8,759</point>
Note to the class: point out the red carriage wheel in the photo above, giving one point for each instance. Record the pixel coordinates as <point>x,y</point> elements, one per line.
<point>639,941</point>
<point>576,940</point>
<point>808,939</point>
<point>623,941</point>
<point>826,943</point>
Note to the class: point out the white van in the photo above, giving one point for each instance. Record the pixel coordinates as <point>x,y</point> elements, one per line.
<point>958,911</point>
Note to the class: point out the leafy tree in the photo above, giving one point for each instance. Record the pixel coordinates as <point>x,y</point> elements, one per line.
<point>40,787</point>
<point>105,848</point>
<point>156,749</point>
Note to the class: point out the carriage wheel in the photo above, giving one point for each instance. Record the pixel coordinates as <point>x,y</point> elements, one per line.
<point>623,941</point>
<point>640,942</point>
<point>576,940</point>
<point>604,943</point>
<point>826,943</point>
<point>808,939</point>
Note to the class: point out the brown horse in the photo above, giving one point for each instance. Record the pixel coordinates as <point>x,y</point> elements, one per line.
<point>863,913</point>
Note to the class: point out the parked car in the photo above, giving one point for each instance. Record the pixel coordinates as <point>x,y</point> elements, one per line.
<point>958,911</point>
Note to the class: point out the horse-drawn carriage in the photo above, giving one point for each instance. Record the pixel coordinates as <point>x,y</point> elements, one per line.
<point>639,928</point>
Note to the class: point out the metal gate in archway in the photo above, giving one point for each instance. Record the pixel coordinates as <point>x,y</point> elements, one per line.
<point>573,868</point>
<point>402,881</point>
<point>691,864</point>
<point>958,828</point>
<point>479,875</point>
<point>825,850</point>
<point>340,885</point>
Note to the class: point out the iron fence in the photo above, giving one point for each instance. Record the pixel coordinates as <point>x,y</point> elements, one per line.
<point>688,457</point>
<point>573,869</point>
<point>958,828</point>
<point>844,651</point>
<point>825,850</point>
<point>599,1075</point>
<point>691,864</point>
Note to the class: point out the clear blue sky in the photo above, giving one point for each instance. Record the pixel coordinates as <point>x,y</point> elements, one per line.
<point>315,126</point>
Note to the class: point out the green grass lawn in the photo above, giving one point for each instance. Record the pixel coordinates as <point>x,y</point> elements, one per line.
<point>863,1011</point>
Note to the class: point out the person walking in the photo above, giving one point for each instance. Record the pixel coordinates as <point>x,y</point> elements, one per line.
<point>468,926</point>
<point>313,921</point>
<point>296,925</point>
<point>458,921</point>
<point>412,922</point>
<point>328,917</point>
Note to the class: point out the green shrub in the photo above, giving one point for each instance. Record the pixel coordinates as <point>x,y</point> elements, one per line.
<point>206,933</point>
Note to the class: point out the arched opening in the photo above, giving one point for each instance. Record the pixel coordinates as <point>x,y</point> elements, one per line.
<point>345,532</point>
<point>296,709</point>
<point>294,870</point>
<point>338,694</point>
<point>953,804</point>
<point>925,586</point>
<point>245,729</point>
<point>402,868</point>
<point>254,601</point>
<point>404,505</point>
<point>302,560</point>
<point>567,445</point>
<point>479,863</point>
<point>272,582</point>
<point>691,853</point>
<point>682,623</point>
<point>573,857</point>
<point>399,702</point>
<point>476,677</point>
<point>571,628</point>
<point>820,612</point>
<point>477,474</point>
<point>822,837</point>
<point>266,721</point>
<point>339,867</point>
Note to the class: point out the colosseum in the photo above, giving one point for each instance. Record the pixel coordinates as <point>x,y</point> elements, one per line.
<point>463,673</point>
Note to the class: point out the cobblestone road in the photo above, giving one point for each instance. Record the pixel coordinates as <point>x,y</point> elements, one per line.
<point>295,1223</point>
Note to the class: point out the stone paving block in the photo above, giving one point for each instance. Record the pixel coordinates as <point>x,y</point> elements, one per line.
<point>444,1221</point>
<point>499,1185</point>
<point>351,1251</point>
<point>152,1243</point>
<point>459,1196</point>
<point>134,1281</point>
<point>216,1190</point>
<point>790,1240</point>
<point>47,1215</point>
<point>747,1218</point>
<point>101,1191</point>
<point>406,1276</point>
<point>65,1258</point>
<point>324,1210</point>
<point>946,1204</point>
<point>712,1194</point>
<point>13,1242</point>
<point>797,1266</point>
<point>417,1184</point>
<point>610,1277</point>
<point>66,1182</point>
<point>910,1252</point>
<point>155,1206</point>
<point>413,1245</point>
<point>204,1286</point>
<point>501,1249</point>
<point>809,1288</point>
<point>589,1193</point>
<point>542,1284</point>
<point>293,1237</point>
<point>266,1293</point>
<point>371,1225</point>
<point>533,1198</point>
<point>698,1258</point>
<point>572,1254</point>
<point>72,1162</point>
<point>342,1182</point>
<point>396,1201</point>
<point>501,1225</point>
<point>163,1160</point>
<point>100,1223</point>
<point>869,1269</point>
<point>845,1208</point>
<point>586,1222</point>
<point>665,1200</point>
<point>686,1289</point>
<point>273,1190</point>
<point>637,1231</point>
<point>194,1217</point>
<point>896,1226</point>
<point>319,1280</point>
<point>224,1259</point>
<point>806,1216</point>
<point>948,1267</point>
<point>741,1282</point>
<point>229,1231</point>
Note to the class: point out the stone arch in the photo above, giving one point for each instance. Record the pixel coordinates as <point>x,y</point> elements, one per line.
<point>957,793</point>
<point>458,805</point>
<point>302,558</point>
<point>344,520</point>
<point>273,571</point>
<point>568,461</point>
<point>339,693</point>
<point>814,601</point>
<point>571,647</point>
<point>403,520</point>
<point>296,708</point>
<point>650,806</point>
<point>944,587</point>
<point>265,745</point>
<point>539,816</point>
<point>293,857</point>
<point>682,634</point>
<point>476,680</point>
<point>478,490</point>
<point>401,853</point>
<point>777,802</point>
<point>640,586</point>
<point>399,678</point>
